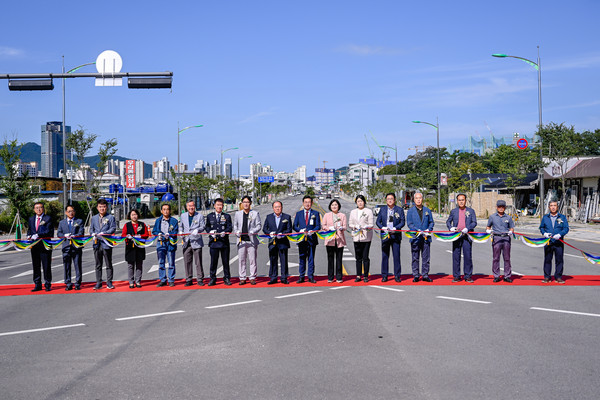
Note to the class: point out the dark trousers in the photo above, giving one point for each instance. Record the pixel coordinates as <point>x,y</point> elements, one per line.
<point>556,249</point>
<point>72,255</point>
<point>41,259</point>
<point>190,257</point>
<point>361,253</point>
<point>306,252</point>
<point>274,254</point>
<point>420,247</point>
<point>214,261</point>
<point>103,255</point>
<point>134,271</point>
<point>501,244</point>
<point>334,262</point>
<point>394,244</point>
<point>463,245</point>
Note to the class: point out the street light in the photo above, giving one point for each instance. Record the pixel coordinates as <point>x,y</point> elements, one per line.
<point>64,134</point>
<point>179,163</point>
<point>238,171</point>
<point>538,66</point>
<point>223,152</point>
<point>437,128</point>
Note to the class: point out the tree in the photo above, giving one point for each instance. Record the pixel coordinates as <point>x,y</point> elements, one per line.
<point>561,144</point>
<point>590,143</point>
<point>17,189</point>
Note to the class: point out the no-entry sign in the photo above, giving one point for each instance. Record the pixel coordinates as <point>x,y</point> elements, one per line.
<point>522,144</point>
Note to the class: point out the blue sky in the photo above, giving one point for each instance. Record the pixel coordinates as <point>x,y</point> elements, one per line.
<point>299,82</point>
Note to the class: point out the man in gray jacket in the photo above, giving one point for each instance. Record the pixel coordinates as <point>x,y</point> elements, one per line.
<point>192,223</point>
<point>103,224</point>
<point>246,226</point>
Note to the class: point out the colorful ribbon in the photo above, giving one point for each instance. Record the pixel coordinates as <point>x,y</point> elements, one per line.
<point>446,237</point>
<point>534,242</point>
<point>326,234</point>
<point>480,237</point>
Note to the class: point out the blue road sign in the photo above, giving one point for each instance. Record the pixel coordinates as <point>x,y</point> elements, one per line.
<point>522,144</point>
<point>266,179</point>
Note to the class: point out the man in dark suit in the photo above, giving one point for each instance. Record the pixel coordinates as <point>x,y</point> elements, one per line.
<point>420,218</point>
<point>276,225</point>
<point>462,219</point>
<point>40,227</point>
<point>389,219</point>
<point>307,221</point>
<point>217,224</point>
<point>554,225</point>
<point>67,228</point>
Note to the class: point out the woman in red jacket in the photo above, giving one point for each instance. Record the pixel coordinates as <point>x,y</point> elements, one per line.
<point>135,255</point>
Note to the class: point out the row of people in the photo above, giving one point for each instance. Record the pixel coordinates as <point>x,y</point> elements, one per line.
<point>246,225</point>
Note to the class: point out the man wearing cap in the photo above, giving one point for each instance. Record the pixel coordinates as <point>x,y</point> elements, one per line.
<point>501,226</point>
<point>555,226</point>
<point>462,219</point>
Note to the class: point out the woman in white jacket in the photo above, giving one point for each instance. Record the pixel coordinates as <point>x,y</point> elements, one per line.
<point>361,224</point>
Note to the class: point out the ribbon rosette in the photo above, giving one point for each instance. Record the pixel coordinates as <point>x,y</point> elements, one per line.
<point>447,237</point>
<point>326,234</point>
<point>113,241</point>
<point>480,237</point>
<point>81,241</point>
<point>50,244</point>
<point>535,242</point>
<point>296,237</point>
<point>412,234</point>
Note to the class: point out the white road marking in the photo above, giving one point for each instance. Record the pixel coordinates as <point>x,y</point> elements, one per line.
<point>234,304</point>
<point>154,268</point>
<point>339,287</point>
<point>41,329</point>
<point>387,288</point>
<point>573,255</point>
<point>149,315</point>
<point>298,294</point>
<point>565,312</point>
<point>467,300</point>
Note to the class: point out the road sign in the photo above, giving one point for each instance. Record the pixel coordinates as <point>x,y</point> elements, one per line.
<point>130,173</point>
<point>443,179</point>
<point>109,62</point>
<point>266,179</point>
<point>522,144</point>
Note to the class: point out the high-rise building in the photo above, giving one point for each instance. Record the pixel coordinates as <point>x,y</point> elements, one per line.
<point>300,174</point>
<point>228,168</point>
<point>214,170</point>
<point>160,170</point>
<point>30,168</point>
<point>199,166</point>
<point>52,149</point>
<point>324,176</point>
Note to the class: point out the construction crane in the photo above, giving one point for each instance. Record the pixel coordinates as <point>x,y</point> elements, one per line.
<point>369,147</point>
<point>384,154</point>
<point>418,148</point>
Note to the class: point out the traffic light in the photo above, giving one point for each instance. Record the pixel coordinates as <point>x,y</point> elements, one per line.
<point>149,83</point>
<point>30,84</point>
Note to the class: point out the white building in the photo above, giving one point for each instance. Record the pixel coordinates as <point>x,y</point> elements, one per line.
<point>300,174</point>
<point>228,168</point>
<point>31,168</point>
<point>160,170</point>
<point>364,173</point>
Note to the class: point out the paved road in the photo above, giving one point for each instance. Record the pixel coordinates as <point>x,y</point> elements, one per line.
<point>438,342</point>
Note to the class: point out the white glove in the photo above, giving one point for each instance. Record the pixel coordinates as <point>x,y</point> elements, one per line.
<point>309,233</point>
<point>67,235</point>
<point>331,228</point>
<point>302,230</point>
<point>34,236</point>
<point>94,235</point>
<point>272,234</point>
<point>195,232</point>
<point>128,236</point>
<point>280,236</point>
<point>137,236</point>
<point>453,229</point>
<point>556,237</point>
<point>160,235</point>
<point>238,234</point>
<point>222,234</point>
<point>419,232</point>
<point>488,231</point>
<point>547,234</point>
<point>465,230</point>
<point>357,227</point>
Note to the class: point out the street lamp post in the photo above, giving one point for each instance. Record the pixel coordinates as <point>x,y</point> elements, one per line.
<point>179,163</point>
<point>223,152</point>
<point>538,67</point>
<point>238,170</point>
<point>395,148</point>
<point>437,128</point>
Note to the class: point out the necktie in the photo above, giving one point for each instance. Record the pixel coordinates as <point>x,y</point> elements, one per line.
<point>306,219</point>
<point>70,225</point>
<point>37,223</point>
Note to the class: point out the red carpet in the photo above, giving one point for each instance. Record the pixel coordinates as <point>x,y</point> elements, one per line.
<point>438,280</point>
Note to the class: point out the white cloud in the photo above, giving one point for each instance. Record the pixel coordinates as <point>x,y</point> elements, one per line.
<point>6,52</point>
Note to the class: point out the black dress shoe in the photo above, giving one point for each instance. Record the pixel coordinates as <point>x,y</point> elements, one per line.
<point>200,282</point>
<point>131,286</point>
<point>212,282</point>
<point>508,280</point>
<point>497,279</point>
<point>469,280</point>
<point>138,285</point>
<point>416,279</point>
<point>366,279</point>
<point>312,280</point>
<point>300,280</point>
<point>77,287</point>
<point>188,283</point>
<point>68,287</point>
<point>36,289</point>
<point>242,283</point>
<point>456,280</point>
<point>357,279</point>
<point>272,282</point>
<point>397,279</point>
<point>161,284</point>
<point>427,279</point>
<point>253,281</point>
<point>171,284</point>
<point>384,279</point>
<point>227,282</point>
<point>48,289</point>
<point>98,286</point>
<point>285,282</point>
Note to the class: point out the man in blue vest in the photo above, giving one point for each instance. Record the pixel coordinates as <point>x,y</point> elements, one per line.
<point>390,219</point>
<point>462,219</point>
<point>420,219</point>
<point>67,228</point>
<point>166,228</point>
<point>276,225</point>
<point>554,225</point>
<point>307,221</point>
